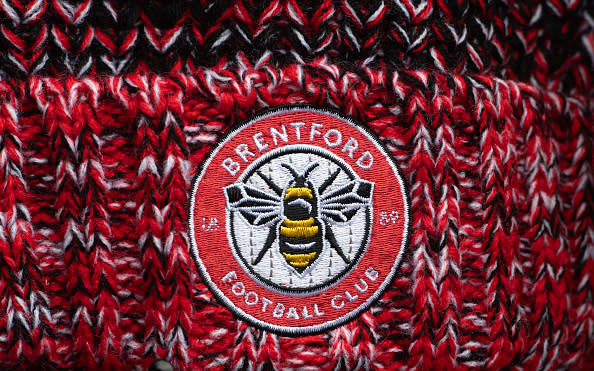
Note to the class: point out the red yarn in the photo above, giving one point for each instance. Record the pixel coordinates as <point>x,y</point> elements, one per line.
<point>95,265</point>
<point>107,109</point>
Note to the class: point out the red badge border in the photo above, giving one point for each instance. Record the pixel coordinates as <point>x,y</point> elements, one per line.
<point>217,292</point>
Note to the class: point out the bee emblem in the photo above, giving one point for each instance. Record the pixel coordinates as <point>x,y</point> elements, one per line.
<point>298,219</point>
<point>300,215</point>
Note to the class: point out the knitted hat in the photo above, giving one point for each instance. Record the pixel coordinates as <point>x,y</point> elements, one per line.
<point>337,185</point>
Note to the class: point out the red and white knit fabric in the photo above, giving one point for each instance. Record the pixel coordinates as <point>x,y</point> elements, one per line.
<point>107,108</point>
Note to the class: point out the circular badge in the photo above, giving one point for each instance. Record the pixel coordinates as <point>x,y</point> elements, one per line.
<point>298,220</point>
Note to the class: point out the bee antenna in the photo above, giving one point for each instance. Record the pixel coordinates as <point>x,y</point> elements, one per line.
<point>270,183</point>
<point>328,181</point>
<point>291,170</point>
<point>309,169</point>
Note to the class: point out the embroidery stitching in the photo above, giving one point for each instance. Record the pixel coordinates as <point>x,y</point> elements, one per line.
<point>299,220</point>
<point>323,209</point>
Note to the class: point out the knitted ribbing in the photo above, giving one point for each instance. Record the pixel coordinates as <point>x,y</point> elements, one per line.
<point>106,112</point>
<point>546,43</point>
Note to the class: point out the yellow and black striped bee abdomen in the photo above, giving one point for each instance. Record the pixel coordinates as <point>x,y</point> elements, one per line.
<point>299,228</point>
<point>300,242</point>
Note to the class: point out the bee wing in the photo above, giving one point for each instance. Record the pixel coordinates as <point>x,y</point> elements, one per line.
<point>341,204</point>
<point>259,208</point>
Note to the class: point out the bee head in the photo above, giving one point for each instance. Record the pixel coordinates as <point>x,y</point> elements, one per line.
<point>300,180</point>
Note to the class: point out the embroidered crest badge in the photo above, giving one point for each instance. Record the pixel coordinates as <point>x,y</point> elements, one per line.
<point>299,219</point>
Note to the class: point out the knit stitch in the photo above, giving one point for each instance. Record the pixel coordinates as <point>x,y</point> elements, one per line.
<point>107,109</point>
